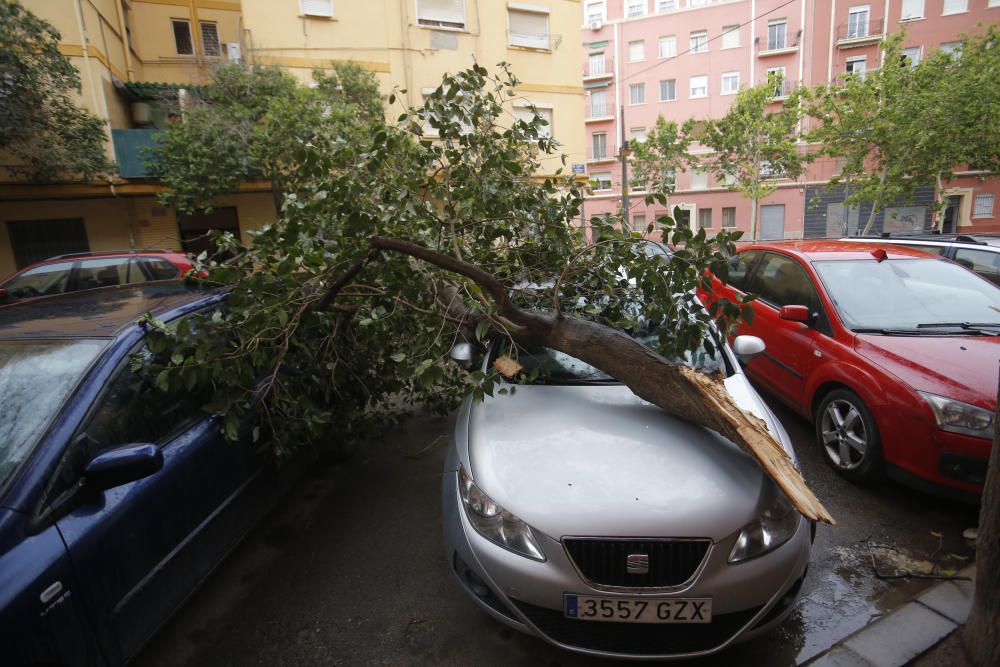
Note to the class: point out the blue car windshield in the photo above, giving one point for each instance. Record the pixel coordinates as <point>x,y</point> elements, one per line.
<point>35,379</point>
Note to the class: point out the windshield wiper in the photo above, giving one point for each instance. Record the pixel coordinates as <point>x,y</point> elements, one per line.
<point>985,328</point>
<point>939,331</point>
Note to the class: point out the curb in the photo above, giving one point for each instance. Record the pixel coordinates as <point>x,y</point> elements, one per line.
<point>906,633</point>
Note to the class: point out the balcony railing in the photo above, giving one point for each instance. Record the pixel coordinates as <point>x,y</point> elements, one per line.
<point>596,69</point>
<point>605,110</point>
<point>598,154</point>
<point>784,88</point>
<point>132,151</point>
<point>860,31</point>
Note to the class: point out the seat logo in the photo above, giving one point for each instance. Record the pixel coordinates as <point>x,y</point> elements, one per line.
<point>637,564</point>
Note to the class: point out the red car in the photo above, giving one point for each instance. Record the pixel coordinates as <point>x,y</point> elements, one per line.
<point>892,352</point>
<point>72,273</point>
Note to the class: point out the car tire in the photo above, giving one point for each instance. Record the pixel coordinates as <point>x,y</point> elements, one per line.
<point>848,436</point>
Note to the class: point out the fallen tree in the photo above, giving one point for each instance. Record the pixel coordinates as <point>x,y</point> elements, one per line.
<point>391,247</point>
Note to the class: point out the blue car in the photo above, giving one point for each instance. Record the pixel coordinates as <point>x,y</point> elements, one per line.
<point>115,503</point>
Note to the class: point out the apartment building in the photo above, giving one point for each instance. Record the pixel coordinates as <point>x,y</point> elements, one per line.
<point>688,58</point>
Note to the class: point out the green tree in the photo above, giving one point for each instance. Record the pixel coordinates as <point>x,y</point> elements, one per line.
<point>754,145</point>
<point>394,245</point>
<point>249,125</point>
<point>664,152</point>
<point>48,136</point>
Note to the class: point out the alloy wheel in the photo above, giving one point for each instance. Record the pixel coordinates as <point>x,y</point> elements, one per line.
<point>844,435</point>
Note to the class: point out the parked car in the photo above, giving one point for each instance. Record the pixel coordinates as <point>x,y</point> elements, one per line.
<point>978,252</point>
<point>579,513</point>
<point>114,502</point>
<point>73,273</point>
<point>890,351</point>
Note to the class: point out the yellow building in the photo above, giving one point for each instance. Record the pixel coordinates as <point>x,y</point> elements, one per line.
<point>130,52</point>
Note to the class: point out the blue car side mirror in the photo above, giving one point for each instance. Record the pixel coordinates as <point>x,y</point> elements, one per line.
<point>122,465</point>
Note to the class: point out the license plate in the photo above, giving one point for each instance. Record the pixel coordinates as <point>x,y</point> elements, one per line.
<point>638,610</point>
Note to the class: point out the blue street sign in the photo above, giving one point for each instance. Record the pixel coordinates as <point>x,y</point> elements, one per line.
<point>579,169</point>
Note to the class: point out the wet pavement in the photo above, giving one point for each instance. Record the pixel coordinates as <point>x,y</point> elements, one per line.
<point>348,570</point>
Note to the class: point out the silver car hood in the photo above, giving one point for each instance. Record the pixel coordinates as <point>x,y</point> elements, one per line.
<point>599,461</point>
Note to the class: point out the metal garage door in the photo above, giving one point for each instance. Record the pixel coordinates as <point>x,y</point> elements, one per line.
<point>772,222</point>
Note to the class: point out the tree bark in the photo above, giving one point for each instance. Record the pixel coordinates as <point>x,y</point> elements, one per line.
<point>681,391</point>
<point>753,219</point>
<point>982,629</point>
<point>878,199</point>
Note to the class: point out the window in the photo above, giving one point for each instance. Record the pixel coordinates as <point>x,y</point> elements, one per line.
<point>912,9</point>
<point>210,38</point>
<point>780,281</point>
<point>983,262</point>
<point>636,8</point>
<point>638,134</point>
<point>911,55</point>
<point>599,104</point>
<point>983,207</point>
<point>668,47</point>
<point>637,184</point>
<point>596,11</point>
<point>35,240</point>
<point>729,216</point>
<point>955,6</point>
<point>441,13</point>
<point>770,170</point>
<point>182,37</point>
<point>857,65</point>
<point>776,32</point>
<point>741,267</point>
<point>730,83</point>
<point>699,86</point>
<point>705,218</point>
<point>107,272</point>
<point>728,178</point>
<point>668,90</point>
<point>316,7</point>
<point>155,268</point>
<point>636,51</point>
<point>993,3</point>
<point>527,115</point>
<point>599,145</point>
<point>699,179</point>
<point>954,49</point>
<point>699,41</point>
<point>857,21</point>
<point>639,222</point>
<point>667,5</point>
<point>696,3</point>
<point>730,36</point>
<point>601,181</point>
<point>668,180</point>
<point>637,93</point>
<point>43,280</point>
<point>596,64</point>
<point>776,77</point>
<point>528,28</point>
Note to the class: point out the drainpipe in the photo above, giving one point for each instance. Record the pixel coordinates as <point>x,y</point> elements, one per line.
<point>196,31</point>
<point>618,79</point>
<point>130,73</point>
<point>86,55</point>
<point>885,31</point>
<point>753,42</point>
<point>833,32</point>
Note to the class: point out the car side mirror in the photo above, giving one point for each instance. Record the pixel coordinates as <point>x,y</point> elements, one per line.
<point>122,465</point>
<point>747,347</point>
<point>463,354</point>
<point>795,314</point>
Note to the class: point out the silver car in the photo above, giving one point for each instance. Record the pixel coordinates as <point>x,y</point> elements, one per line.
<point>579,513</point>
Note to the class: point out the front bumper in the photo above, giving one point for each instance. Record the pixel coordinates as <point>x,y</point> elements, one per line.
<point>748,598</point>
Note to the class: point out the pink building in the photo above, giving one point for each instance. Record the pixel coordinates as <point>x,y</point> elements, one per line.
<point>688,58</point>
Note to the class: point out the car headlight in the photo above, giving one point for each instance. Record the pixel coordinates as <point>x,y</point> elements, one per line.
<point>494,522</point>
<point>775,526</point>
<point>959,417</point>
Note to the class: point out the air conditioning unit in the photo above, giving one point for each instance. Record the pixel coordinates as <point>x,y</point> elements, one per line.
<point>595,25</point>
<point>233,52</point>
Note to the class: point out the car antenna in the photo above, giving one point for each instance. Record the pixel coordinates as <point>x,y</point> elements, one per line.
<point>880,254</point>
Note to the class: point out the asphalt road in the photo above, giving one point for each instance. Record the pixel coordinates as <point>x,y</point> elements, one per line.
<point>348,570</point>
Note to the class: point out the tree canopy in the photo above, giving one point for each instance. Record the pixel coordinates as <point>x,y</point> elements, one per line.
<point>48,136</point>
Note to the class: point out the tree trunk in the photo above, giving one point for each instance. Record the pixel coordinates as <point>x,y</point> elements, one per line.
<point>875,204</point>
<point>753,219</point>
<point>982,629</point>
<point>938,208</point>
<point>681,391</point>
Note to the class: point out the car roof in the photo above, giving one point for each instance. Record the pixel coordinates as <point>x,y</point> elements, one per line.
<point>825,249</point>
<point>981,241</point>
<point>109,253</point>
<point>98,313</point>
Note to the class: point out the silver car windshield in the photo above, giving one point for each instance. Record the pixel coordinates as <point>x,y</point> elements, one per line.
<point>908,294</point>
<point>35,379</point>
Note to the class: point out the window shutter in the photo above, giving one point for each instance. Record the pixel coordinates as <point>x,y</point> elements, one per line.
<point>912,9</point>
<point>210,39</point>
<point>316,7</point>
<point>529,29</point>
<point>444,11</point>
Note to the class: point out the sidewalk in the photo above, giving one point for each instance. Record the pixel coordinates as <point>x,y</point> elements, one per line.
<point>924,630</point>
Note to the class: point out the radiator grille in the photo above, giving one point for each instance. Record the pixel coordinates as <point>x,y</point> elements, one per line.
<point>603,561</point>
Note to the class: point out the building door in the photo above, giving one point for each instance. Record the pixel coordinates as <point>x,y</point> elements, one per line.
<point>949,219</point>
<point>772,222</point>
<point>195,229</point>
<point>684,215</point>
<point>35,240</point>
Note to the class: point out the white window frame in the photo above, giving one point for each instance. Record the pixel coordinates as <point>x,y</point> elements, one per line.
<point>911,10</point>
<point>850,66</point>
<point>731,89</point>
<point>982,206</point>
<point>600,180</point>
<point>701,78</point>
<point>589,17</point>
<point>954,48</point>
<point>641,44</point>
<point>441,22</point>
<point>914,53</point>
<point>529,41</point>
<point>602,109</point>
<point>723,220</point>
<point>783,32</point>
<point>669,41</point>
<point>173,33</point>
<point>321,8</point>
<point>636,91</point>
<point>779,92</point>
<point>635,8</point>
<point>729,34</point>
<point>697,3</point>
<point>593,145</point>
<point>957,7</point>
<point>859,9</point>
<point>699,41</point>
<point>544,110</point>
<point>990,4</point>
<point>637,134</point>
<point>702,214</point>
<point>671,5</point>
<point>639,221</point>
<point>699,178</point>
<point>600,70</point>
<point>668,99</point>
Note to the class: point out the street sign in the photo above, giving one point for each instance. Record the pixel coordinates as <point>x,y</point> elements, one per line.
<point>579,168</point>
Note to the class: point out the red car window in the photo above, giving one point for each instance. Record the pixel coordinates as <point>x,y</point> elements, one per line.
<point>156,268</point>
<point>781,281</point>
<point>40,281</point>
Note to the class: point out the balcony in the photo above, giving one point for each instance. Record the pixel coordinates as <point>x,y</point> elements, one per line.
<point>784,89</point>
<point>132,148</point>
<point>596,70</point>
<point>859,33</point>
<point>600,155</point>
<point>600,112</point>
